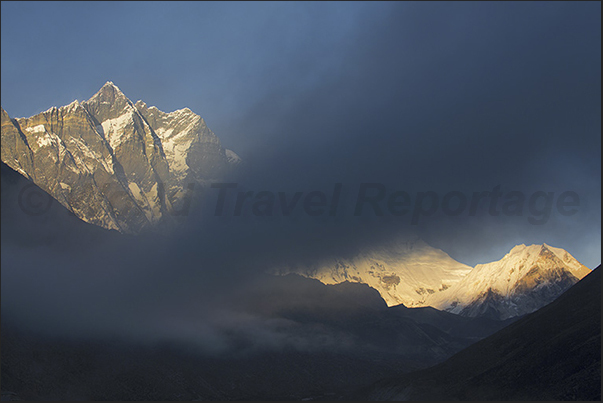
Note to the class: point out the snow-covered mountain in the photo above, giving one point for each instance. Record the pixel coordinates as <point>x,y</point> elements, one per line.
<point>408,271</point>
<point>524,280</point>
<point>404,271</point>
<point>113,163</point>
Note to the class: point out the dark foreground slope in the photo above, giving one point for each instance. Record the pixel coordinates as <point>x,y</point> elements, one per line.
<point>552,354</point>
<point>334,339</point>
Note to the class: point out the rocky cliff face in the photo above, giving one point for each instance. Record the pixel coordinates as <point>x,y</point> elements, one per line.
<point>113,163</point>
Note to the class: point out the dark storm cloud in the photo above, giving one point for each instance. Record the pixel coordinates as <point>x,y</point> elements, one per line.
<point>417,97</point>
<point>442,93</point>
<point>67,278</point>
<point>446,97</point>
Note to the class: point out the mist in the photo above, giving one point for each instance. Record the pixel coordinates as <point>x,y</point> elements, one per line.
<point>415,97</point>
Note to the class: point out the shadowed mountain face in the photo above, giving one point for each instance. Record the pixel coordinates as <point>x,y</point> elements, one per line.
<point>32,217</point>
<point>552,354</point>
<point>325,341</point>
<point>421,333</point>
<point>113,163</point>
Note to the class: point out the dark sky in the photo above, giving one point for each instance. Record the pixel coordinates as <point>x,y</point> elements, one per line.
<point>417,97</point>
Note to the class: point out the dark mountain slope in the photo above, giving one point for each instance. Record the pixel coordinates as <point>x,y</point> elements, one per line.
<point>31,217</point>
<point>551,354</point>
<point>332,338</point>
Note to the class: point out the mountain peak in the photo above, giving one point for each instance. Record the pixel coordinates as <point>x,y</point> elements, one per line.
<point>183,111</point>
<point>110,84</point>
<point>72,106</point>
<point>108,93</point>
<point>530,250</point>
<point>517,249</point>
